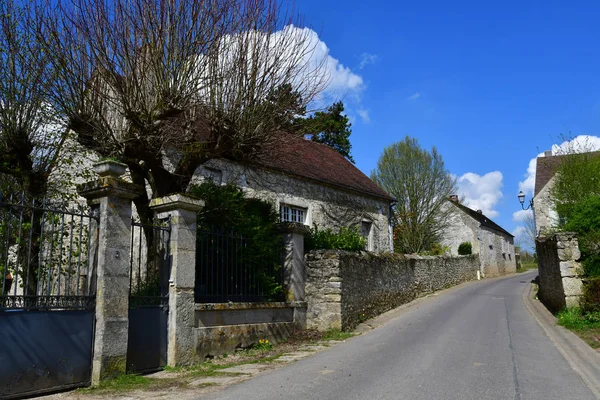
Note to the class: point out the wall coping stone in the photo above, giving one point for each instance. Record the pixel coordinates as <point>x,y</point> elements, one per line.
<point>390,256</point>
<point>293,227</point>
<point>248,305</point>
<point>176,201</point>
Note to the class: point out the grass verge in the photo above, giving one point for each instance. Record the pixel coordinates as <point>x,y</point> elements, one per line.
<point>586,325</point>
<point>336,334</point>
<point>527,267</point>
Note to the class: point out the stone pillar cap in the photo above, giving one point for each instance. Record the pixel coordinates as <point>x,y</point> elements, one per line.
<point>109,186</point>
<point>176,201</point>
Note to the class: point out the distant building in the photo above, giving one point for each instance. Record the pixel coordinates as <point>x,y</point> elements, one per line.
<point>494,244</point>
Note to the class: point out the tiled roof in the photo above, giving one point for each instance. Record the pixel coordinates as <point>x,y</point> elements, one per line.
<point>545,170</point>
<point>481,218</point>
<point>304,158</point>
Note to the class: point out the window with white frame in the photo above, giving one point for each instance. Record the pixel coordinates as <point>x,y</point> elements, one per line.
<point>293,214</point>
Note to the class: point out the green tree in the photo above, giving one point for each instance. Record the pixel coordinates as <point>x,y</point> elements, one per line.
<point>331,127</point>
<point>577,178</point>
<point>419,182</point>
<point>584,218</point>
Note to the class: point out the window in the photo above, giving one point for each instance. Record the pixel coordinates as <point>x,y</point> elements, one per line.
<point>292,214</point>
<point>214,174</point>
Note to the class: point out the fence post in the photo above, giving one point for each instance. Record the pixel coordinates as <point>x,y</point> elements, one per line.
<point>294,274</point>
<point>112,198</point>
<point>182,210</point>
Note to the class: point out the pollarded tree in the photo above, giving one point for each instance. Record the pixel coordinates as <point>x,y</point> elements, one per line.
<point>419,182</point>
<point>31,133</point>
<point>167,85</point>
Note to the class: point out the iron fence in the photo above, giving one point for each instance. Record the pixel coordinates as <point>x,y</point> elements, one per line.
<point>233,268</point>
<point>46,257</point>
<point>150,263</point>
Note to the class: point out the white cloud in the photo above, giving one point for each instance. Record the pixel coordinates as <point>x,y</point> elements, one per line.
<point>366,59</point>
<point>521,215</point>
<point>341,80</point>
<point>364,115</point>
<point>291,55</point>
<point>481,192</point>
<point>579,144</point>
<point>414,96</point>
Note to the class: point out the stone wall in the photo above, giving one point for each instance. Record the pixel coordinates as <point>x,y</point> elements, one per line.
<point>560,273</point>
<point>344,288</point>
<point>224,327</point>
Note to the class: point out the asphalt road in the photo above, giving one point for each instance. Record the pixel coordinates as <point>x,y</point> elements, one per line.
<point>476,342</point>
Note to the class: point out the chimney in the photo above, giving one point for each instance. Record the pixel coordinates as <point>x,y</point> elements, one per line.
<point>453,197</point>
<point>480,212</point>
<point>548,153</point>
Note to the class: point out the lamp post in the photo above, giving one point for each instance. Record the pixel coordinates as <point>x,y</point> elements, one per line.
<point>521,197</point>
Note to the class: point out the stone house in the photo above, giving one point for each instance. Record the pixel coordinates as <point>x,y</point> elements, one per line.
<point>544,210</point>
<point>312,184</point>
<point>494,244</point>
<point>307,182</point>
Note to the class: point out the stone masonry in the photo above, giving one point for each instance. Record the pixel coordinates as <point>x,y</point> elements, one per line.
<point>344,288</point>
<point>560,272</point>
<point>112,197</point>
<point>182,210</point>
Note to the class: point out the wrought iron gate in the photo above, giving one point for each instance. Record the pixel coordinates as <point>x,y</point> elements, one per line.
<point>47,297</point>
<point>148,296</point>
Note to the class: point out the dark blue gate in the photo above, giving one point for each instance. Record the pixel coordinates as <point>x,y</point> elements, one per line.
<point>148,296</point>
<point>47,297</point>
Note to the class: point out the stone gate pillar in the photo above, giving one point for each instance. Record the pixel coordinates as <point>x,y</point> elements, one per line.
<point>112,198</point>
<point>294,274</point>
<point>182,211</point>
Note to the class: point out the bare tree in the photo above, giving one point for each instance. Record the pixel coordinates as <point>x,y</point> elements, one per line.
<point>530,231</point>
<point>31,132</point>
<point>166,85</point>
<point>419,182</point>
<point>32,137</point>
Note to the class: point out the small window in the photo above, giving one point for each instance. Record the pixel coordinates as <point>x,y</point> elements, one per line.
<point>491,247</point>
<point>214,174</point>
<point>293,214</point>
<point>509,258</point>
<point>366,230</point>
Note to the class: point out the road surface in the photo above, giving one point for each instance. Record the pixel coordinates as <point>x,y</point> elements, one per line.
<point>478,341</point>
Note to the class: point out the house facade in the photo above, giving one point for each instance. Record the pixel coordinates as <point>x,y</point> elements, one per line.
<point>494,244</point>
<point>312,184</point>
<point>544,210</point>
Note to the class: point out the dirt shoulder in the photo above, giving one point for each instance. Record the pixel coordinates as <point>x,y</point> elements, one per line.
<point>183,383</point>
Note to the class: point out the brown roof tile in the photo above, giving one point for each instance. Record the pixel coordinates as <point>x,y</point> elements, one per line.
<point>305,158</point>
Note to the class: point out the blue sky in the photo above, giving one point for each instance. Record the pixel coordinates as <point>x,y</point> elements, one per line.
<point>490,85</point>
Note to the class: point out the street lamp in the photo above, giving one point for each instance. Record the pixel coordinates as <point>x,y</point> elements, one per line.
<point>521,197</point>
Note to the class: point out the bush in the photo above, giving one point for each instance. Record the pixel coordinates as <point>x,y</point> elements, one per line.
<point>345,239</point>
<point>465,248</point>
<point>436,249</point>
<point>584,219</point>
